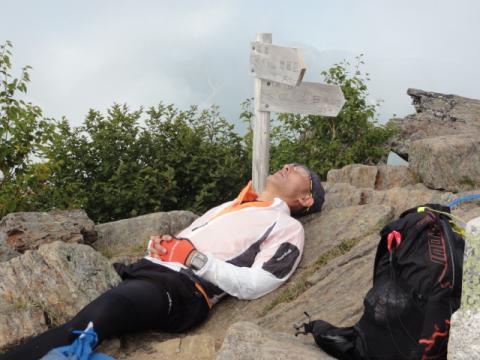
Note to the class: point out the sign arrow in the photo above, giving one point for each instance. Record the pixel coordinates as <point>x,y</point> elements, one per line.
<point>308,98</point>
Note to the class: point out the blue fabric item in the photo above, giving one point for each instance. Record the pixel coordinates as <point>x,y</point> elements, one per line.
<point>462,199</point>
<point>80,349</point>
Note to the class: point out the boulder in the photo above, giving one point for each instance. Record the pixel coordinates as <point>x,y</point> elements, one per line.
<point>247,341</point>
<point>394,176</point>
<point>46,287</point>
<point>465,323</point>
<point>129,237</point>
<point>447,162</point>
<point>436,115</point>
<point>401,199</point>
<point>464,343</point>
<point>381,177</point>
<point>360,176</point>
<point>471,266</point>
<point>7,253</point>
<point>329,230</point>
<point>191,347</point>
<point>23,231</point>
<point>341,195</point>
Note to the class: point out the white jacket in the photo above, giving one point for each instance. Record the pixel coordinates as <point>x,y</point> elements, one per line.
<point>251,251</point>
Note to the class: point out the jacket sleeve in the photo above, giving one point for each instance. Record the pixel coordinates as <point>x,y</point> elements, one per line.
<point>275,262</point>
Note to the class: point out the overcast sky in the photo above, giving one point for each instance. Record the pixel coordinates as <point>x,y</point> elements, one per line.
<point>90,54</point>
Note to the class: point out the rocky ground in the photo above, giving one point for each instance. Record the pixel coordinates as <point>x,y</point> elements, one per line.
<point>54,263</point>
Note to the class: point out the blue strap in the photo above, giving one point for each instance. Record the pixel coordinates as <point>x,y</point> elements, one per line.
<point>462,199</point>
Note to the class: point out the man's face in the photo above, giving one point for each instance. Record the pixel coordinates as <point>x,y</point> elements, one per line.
<point>292,184</point>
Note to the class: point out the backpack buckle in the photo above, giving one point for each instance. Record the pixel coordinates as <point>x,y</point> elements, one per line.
<point>394,235</point>
<point>302,328</point>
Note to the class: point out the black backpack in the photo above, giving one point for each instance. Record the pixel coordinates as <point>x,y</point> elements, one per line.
<point>417,286</point>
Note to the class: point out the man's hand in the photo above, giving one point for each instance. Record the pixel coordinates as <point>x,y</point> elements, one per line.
<point>170,249</point>
<point>155,249</point>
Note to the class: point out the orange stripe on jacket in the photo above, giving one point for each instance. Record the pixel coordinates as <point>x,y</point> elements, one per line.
<point>246,198</point>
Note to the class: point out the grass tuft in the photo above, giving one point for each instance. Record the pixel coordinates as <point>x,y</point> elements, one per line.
<point>109,252</point>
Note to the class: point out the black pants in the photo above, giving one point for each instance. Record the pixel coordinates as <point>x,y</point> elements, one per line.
<point>150,297</point>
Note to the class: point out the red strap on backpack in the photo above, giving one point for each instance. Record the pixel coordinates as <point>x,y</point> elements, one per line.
<point>393,235</point>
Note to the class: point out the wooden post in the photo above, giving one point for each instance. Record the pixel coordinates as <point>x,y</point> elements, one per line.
<point>261,133</point>
<point>279,72</point>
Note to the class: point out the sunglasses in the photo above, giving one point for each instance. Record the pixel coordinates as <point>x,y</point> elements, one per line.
<point>295,165</point>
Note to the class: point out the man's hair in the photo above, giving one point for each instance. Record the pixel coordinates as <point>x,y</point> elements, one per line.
<point>318,194</point>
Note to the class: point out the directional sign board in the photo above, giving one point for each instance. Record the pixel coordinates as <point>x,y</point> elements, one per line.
<point>306,98</point>
<point>277,63</point>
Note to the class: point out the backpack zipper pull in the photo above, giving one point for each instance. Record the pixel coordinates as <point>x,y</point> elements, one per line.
<point>302,328</point>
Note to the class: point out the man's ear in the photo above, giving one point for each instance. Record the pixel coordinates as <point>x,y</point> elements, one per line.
<point>306,201</point>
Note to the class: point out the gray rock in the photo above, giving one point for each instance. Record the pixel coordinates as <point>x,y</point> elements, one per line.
<point>381,177</point>
<point>447,162</point>
<point>437,114</point>
<point>361,176</point>
<point>464,341</point>
<point>340,195</point>
<point>247,341</point>
<point>191,347</point>
<point>48,286</point>
<point>401,199</point>
<point>7,253</point>
<point>394,176</point>
<point>328,230</point>
<point>19,321</point>
<point>129,237</point>
<point>111,347</point>
<point>446,107</point>
<point>23,231</point>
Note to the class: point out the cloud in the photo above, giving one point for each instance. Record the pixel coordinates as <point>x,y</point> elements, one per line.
<point>139,57</point>
<point>91,54</point>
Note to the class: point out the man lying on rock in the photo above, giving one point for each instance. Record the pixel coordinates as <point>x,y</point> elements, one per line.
<point>246,248</point>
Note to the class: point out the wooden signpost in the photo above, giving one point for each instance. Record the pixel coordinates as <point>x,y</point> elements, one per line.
<point>278,75</point>
<point>281,64</point>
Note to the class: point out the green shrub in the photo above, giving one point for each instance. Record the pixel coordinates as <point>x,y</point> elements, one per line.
<point>116,168</point>
<point>23,133</point>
